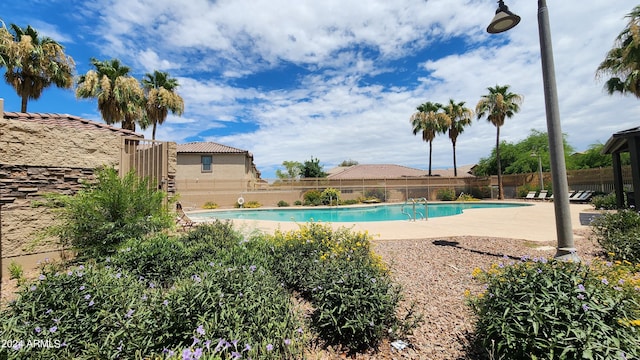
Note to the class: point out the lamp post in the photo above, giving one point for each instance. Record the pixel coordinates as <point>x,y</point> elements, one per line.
<point>539,168</point>
<point>503,21</point>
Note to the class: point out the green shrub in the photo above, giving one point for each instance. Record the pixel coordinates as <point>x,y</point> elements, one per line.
<point>466,197</point>
<point>355,306</point>
<point>619,234</point>
<point>350,287</point>
<point>16,272</point>
<point>102,215</point>
<point>157,260</point>
<point>373,194</point>
<point>210,205</point>
<point>312,198</point>
<point>283,203</point>
<point>249,205</point>
<point>605,202</point>
<point>349,202</point>
<point>557,310</point>
<point>330,196</point>
<point>297,203</point>
<point>446,194</point>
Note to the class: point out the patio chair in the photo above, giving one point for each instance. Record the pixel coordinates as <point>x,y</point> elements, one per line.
<point>530,195</point>
<point>182,219</point>
<point>585,196</point>
<point>542,195</point>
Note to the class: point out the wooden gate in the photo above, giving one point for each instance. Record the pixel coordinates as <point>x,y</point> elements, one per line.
<point>148,158</point>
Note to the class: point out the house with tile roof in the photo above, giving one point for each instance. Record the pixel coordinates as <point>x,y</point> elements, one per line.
<point>205,167</point>
<point>389,171</point>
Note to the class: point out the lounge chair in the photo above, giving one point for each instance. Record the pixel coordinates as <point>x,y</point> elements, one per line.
<point>530,195</point>
<point>542,195</point>
<point>585,196</point>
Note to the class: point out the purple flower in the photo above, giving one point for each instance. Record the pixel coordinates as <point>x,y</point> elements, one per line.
<point>165,303</point>
<point>252,268</point>
<point>152,285</point>
<point>186,354</point>
<point>91,303</point>
<point>234,342</point>
<point>42,277</point>
<point>38,330</point>
<point>144,297</point>
<point>196,278</point>
<point>82,287</point>
<point>53,329</point>
<point>585,308</point>
<point>373,280</point>
<point>33,288</point>
<point>17,345</point>
<point>300,331</point>
<point>49,311</point>
<point>581,287</point>
<point>81,267</point>
<point>247,347</point>
<point>118,275</point>
<point>269,347</point>
<point>57,321</point>
<point>235,355</point>
<point>129,313</point>
<point>200,330</point>
<point>87,297</point>
<point>287,342</point>
<point>580,296</point>
<point>197,354</point>
<point>605,281</point>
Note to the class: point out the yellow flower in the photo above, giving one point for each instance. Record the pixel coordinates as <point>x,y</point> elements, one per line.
<point>476,272</point>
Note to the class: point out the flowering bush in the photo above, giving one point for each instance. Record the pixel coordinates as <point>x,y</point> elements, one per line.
<point>548,309</point>
<point>619,234</point>
<point>348,284</point>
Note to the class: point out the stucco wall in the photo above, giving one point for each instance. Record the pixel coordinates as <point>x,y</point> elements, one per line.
<point>224,167</point>
<point>23,142</point>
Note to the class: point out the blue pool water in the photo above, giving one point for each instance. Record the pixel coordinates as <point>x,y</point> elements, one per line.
<point>348,214</point>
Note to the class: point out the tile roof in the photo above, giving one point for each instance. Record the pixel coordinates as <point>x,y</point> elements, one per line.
<point>375,171</point>
<point>390,171</point>
<point>208,147</point>
<point>70,121</point>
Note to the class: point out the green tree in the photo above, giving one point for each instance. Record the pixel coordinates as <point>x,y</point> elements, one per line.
<point>120,96</point>
<point>459,117</point>
<point>160,98</point>
<point>622,62</point>
<point>522,157</point>
<point>349,162</point>
<point>33,63</point>
<point>293,169</point>
<point>429,120</point>
<point>312,169</point>
<point>594,158</point>
<point>498,105</point>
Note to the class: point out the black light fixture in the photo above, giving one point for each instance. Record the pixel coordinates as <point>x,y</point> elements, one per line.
<point>504,19</point>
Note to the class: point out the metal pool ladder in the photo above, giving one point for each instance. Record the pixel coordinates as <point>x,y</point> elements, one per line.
<point>413,215</point>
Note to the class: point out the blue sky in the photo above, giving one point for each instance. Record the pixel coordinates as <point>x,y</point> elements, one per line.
<point>338,80</point>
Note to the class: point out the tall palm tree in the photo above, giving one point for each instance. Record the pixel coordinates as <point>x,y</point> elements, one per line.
<point>622,62</point>
<point>459,117</point>
<point>161,98</point>
<point>120,96</point>
<point>430,121</point>
<point>498,105</point>
<point>33,63</point>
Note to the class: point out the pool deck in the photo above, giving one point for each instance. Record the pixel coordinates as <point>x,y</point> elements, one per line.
<point>534,223</point>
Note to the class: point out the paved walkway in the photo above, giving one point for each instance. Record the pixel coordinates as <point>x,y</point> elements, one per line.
<point>535,223</point>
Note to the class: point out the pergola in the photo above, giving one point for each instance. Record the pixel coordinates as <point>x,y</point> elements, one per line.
<point>625,141</point>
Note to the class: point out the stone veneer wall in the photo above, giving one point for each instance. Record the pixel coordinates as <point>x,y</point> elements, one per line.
<point>22,221</point>
<point>36,159</point>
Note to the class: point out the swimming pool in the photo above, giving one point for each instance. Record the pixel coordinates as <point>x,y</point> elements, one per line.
<point>368,213</point>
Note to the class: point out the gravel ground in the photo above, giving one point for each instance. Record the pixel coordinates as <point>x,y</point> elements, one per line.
<point>435,274</point>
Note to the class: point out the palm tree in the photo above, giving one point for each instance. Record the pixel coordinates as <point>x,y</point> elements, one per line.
<point>33,63</point>
<point>120,96</point>
<point>430,121</point>
<point>161,98</point>
<point>622,62</point>
<point>498,105</point>
<point>459,117</point>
